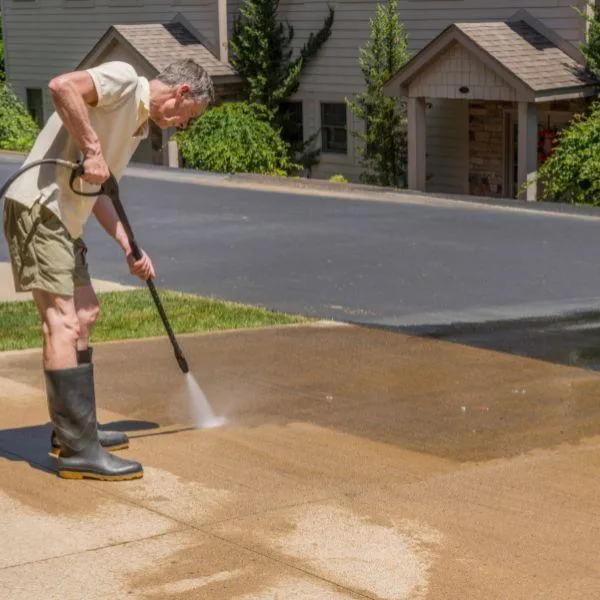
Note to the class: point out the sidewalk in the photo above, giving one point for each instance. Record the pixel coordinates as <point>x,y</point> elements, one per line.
<point>355,464</point>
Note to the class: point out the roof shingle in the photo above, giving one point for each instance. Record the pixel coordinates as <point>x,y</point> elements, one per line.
<point>161,44</point>
<point>528,54</point>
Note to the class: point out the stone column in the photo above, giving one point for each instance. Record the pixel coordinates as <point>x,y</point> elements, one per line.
<point>528,134</point>
<point>417,144</point>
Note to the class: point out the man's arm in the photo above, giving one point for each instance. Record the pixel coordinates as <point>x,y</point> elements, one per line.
<point>105,213</point>
<point>71,93</point>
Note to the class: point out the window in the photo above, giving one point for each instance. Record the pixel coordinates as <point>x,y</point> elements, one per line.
<point>333,128</point>
<point>293,128</point>
<point>35,105</point>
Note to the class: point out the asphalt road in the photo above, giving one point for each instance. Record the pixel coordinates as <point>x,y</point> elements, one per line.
<point>416,265</point>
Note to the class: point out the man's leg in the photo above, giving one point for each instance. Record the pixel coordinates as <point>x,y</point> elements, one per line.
<point>60,328</point>
<point>42,258</point>
<point>88,310</point>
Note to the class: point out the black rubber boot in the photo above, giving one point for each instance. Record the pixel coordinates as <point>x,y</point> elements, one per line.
<point>73,412</point>
<point>111,440</point>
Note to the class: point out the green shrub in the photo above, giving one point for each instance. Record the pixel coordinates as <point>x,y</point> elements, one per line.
<point>17,129</point>
<point>233,138</point>
<point>572,173</point>
<point>338,179</point>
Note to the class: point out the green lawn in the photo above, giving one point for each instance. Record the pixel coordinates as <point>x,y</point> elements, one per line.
<point>133,314</point>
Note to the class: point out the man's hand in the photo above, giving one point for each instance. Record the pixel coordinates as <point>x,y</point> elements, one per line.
<point>95,169</point>
<point>142,268</point>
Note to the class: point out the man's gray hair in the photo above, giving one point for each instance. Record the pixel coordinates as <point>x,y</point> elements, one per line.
<point>190,72</point>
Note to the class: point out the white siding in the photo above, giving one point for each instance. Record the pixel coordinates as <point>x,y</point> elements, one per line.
<point>336,68</point>
<point>448,146</point>
<point>457,67</point>
<point>47,37</point>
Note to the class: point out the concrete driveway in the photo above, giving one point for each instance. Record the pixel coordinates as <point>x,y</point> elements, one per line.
<point>355,464</point>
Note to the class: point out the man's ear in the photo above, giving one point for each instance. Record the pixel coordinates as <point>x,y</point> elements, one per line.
<point>183,89</point>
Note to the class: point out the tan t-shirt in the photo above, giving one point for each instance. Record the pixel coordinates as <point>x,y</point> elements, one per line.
<point>120,119</point>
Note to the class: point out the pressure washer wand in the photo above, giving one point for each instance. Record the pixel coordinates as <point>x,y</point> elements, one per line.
<point>111,188</point>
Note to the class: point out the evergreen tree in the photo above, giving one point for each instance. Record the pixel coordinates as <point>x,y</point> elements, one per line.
<point>383,144</point>
<point>262,52</point>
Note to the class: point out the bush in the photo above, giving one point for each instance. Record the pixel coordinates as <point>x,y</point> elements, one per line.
<point>233,138</point>
<point>338,179</point>
<point>572,173</point>
<point>17,129</point>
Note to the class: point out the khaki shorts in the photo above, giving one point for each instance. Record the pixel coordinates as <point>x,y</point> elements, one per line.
<point>43,254</point>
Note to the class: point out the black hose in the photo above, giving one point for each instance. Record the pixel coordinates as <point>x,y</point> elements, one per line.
<point>37,163</point>
<point>111,189</point>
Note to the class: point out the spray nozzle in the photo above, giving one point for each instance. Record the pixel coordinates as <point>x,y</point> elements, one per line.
<point>182,363</point>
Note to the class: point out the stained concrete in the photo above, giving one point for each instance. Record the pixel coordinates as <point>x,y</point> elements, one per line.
<point>355,464</point>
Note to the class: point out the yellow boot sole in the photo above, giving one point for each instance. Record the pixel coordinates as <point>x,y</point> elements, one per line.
<point>85,475</point>
<point>56,451</point>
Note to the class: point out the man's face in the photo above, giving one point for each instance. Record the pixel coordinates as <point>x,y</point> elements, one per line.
<point>178,110</point>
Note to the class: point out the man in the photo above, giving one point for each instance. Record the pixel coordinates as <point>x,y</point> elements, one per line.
<point>101,115</point>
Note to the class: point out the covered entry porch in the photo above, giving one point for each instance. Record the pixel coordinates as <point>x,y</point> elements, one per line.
<point>484,102</point>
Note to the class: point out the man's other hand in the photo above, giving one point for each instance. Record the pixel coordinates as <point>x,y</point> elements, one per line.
<point>142,268</point>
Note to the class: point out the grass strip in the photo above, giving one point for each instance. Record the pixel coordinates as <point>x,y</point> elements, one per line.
<point>132,314</point>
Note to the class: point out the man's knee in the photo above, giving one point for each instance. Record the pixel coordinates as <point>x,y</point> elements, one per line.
<point>59,319</point>
<point>64,326</point>
<point>88,316</point>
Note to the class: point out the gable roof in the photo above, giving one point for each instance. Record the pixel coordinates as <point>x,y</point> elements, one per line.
<point>534,65</point>
<point>160,44</point>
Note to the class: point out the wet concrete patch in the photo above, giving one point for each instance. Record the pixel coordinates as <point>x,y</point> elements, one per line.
<point>520,528</point>
<point>428,396</point>
<point>236,472</point>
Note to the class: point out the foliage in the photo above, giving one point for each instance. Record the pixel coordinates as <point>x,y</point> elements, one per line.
<point>17,129</point>
<point>234,138</point>
<point>572,173</point>
<point>338,179</point>
<point>261,50</point>
<point>591,47</point>
<point>383,146</point>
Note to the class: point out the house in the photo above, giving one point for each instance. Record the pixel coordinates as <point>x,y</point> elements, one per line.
<point>502,91</point>
<point>465,144</point>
